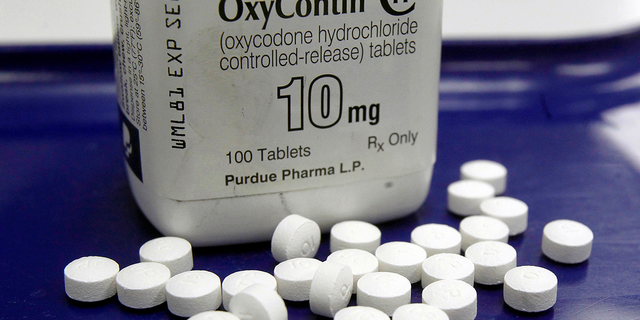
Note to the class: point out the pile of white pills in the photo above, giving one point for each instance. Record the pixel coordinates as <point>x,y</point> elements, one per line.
<point>380,275</point>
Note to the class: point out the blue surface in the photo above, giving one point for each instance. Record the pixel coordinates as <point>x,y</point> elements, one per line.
<point>64,194</point>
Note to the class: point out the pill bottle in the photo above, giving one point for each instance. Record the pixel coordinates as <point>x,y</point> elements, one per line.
<point>237,113</point>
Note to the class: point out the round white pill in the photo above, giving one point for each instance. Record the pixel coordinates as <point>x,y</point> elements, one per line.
<point>258,301</point>
<point>361,262</point>
<point>330,289</point>
<point>215,315</point>
<point>142,285</point>
<point>91,279</point>
<point>464,196</point>
<point>447,266</point>
<point>492,260</point>
<point>511,211</point>
<point>482,228</point>
<point>488,171</point>
<point>240,280</point>
<point>437,238</point>
<point>567,241</point>
<point>456,298</point>
<point>193,292</point>
<point>419,311</point>
<point>385,291</point>
<point>173,252</point>
<point>360,313</point>
<point>295,237</point>
<point>354,235</point>
<point>403,258</point>
<point>530,288</point>
<point>294,278</point>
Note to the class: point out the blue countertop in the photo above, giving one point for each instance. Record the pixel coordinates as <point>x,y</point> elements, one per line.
<point>535,107</point>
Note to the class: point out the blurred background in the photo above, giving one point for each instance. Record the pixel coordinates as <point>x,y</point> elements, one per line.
<point>88,21</point>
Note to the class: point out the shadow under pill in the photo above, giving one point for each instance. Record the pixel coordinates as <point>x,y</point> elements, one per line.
<point>511,313</point>
<point>488,288</point>
<point>159,308</point>
<point>92,305</point>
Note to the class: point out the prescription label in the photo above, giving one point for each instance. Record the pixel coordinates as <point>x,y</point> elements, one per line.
<point>233,98</point>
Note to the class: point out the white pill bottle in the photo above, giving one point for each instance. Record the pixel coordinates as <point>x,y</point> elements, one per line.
<point>237,113</point>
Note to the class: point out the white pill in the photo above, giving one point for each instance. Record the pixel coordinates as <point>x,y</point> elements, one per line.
<point>419,311</point>
<point>482,228</point>
<point>215,315</point>
<point>294,278</point>
<point>330,289</point>
<point>464,196</point>
<point>492,260</point>
<point>258,302</point>
<point>173,252</point>
<point>567,241</point>
<point>240,280</point>
<point>355,235</point>
<point>488,171</point>
<point>91,279</point>
<point>458,299</point>
<point>403,258</point>
<point>295,237</point>
<point>447,266</point>
<point>385,291</point>
<point>437,238</point>
<point>360,313</point>
<point>509,210</point>
<point>142,285</point>
<point>530,288</point>
<point>193,292</point>
<point>361,262</point>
